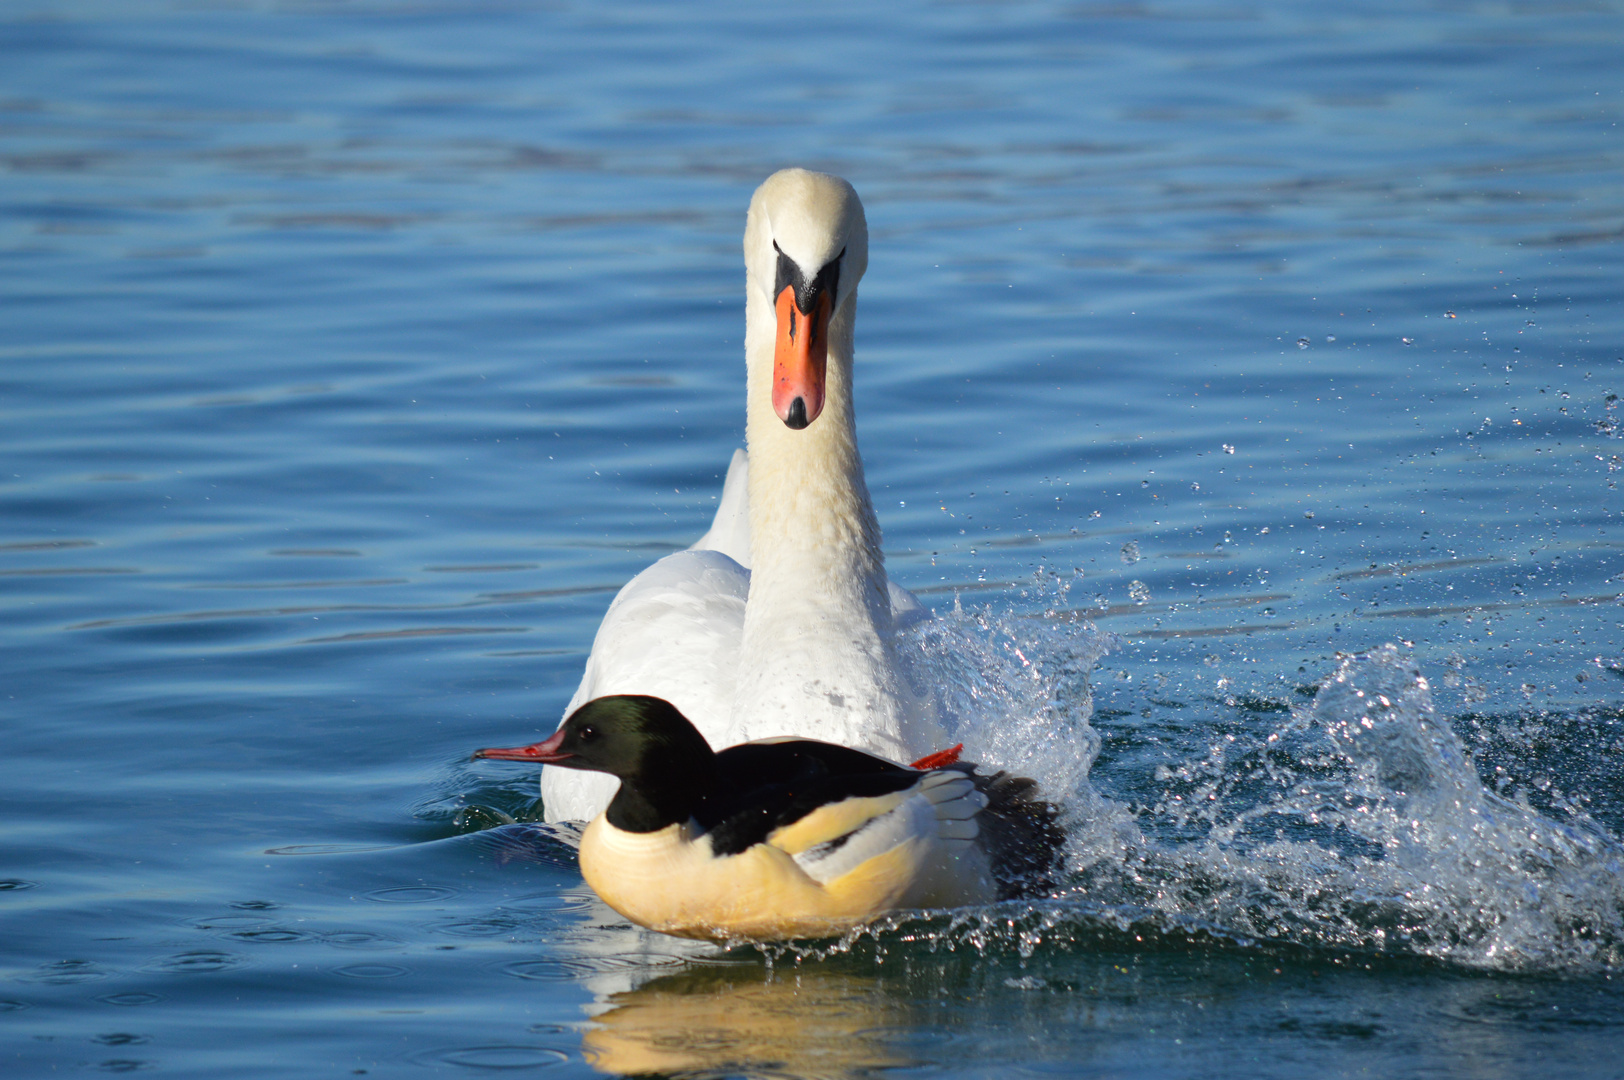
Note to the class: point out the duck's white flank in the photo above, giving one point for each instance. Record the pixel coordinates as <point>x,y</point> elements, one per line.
<point>781,620</point>
<point>910,849</point>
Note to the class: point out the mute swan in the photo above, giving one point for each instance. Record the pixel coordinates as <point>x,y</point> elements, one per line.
<point>787,838</point>
<point>780,620</point>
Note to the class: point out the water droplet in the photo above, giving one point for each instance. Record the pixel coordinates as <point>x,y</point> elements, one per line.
<point>371,971</point>
<point>69,972</point>
<point>412,894</point>
<point>1228,449</point>
<point>199,962</point>
<point>476,928</point>
<point>273,936</point>
<point>359,939</point>
<point>1139,591</point>
<point>135,997</point>
<point>1302,343</point>
<point>541,970</point>
<point>1449,314</point>
<point>495,1057</point>
<point>564,970</point>
<point>227,922</point>
<point>1408,340</point>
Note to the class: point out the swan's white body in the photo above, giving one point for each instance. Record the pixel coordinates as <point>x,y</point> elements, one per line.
<point>780,621</point>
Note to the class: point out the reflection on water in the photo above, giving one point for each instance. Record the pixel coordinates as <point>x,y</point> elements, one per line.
<point>1109,1001</point>
<point>746,1018</point>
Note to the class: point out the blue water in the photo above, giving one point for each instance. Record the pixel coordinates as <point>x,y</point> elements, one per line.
<point>355,353</point>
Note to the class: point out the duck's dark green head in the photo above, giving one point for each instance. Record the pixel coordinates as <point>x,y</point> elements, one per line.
<point>664,764</point>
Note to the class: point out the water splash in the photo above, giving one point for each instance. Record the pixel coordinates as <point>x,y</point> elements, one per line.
<point>1361,823</point>
<point>1015,682</point>
<point>1015,689</point>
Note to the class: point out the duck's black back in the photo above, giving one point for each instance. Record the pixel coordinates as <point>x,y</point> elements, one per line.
<point>764,786</point>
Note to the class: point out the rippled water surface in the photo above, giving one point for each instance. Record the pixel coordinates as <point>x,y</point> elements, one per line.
<point>1236,381</point>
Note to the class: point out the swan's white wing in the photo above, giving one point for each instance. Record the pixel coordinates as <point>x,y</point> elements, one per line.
<point>730,531</point>
<point>906,610</point>
<point>672,632</point>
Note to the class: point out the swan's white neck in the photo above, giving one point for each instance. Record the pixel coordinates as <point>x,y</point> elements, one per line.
<point>816,658</point>
<point>814,539</point>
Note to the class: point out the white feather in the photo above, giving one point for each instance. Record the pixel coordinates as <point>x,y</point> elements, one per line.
<point>911,818</point>
<point>953,795</point>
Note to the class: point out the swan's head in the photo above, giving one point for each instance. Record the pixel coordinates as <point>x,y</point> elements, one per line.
<point>805,248</point>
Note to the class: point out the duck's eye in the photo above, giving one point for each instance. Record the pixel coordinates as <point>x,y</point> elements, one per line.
<point>587,734</point>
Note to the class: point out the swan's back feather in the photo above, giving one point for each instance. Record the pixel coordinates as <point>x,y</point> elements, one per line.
<point>673,633</point>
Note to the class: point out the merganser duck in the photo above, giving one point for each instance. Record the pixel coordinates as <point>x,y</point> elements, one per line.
<point>787,838</point>
<point>780,620</point>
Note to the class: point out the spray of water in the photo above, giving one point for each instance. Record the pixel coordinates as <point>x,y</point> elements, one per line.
<point>1362,823</point>
<point>1016,692</point>
<point>1359,823</point>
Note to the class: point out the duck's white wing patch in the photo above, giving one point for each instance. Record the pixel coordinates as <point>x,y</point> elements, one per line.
<point>956,802</point>
<point>941,809</point>
<point>953,794</point>
<point>907,819</point>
